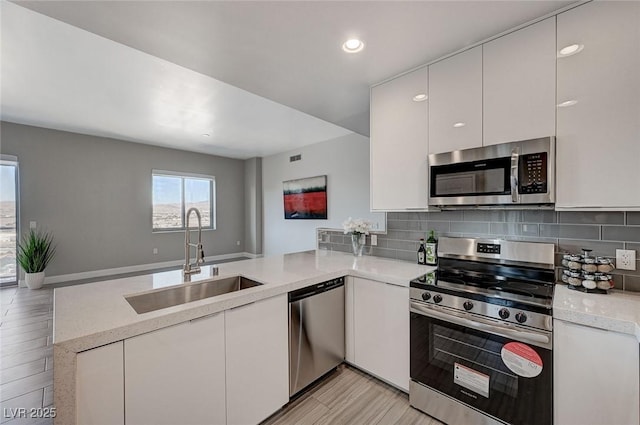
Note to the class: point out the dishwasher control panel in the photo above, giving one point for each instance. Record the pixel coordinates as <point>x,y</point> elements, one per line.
<point>316,289</point>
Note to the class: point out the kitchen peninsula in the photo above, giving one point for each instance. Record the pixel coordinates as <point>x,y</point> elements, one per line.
<point>97,316</point>
<point>97,329</point>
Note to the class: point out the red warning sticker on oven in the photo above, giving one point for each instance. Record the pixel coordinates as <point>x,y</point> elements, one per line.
<point>521,359</point>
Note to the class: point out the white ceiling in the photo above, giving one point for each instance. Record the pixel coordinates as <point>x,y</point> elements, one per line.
<point>58,76</point>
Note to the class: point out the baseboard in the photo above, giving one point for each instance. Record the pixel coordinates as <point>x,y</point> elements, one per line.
<point>250,255</point>
<point>48,280</point>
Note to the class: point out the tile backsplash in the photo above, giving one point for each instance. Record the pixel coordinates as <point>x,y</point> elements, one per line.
<point>603,232</point>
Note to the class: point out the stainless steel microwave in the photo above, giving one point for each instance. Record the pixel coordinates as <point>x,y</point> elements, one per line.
<point>517,174</point>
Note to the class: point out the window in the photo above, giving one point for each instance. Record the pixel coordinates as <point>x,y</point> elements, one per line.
<point>8,219</point>
<point>173,195</point>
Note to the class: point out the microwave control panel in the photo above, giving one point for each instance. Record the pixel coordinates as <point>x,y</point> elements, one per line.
<point>532,175</point>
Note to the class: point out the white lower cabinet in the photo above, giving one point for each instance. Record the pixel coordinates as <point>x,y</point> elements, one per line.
<point>257,360</point>
<point>348,321</point>
<point>381,330</point>
<point>596,376</point>
<point>176,375</point>
<point>100,386</point>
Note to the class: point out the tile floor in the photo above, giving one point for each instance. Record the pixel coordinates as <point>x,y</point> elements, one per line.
<point>26,354</point>
<point>349,396</point>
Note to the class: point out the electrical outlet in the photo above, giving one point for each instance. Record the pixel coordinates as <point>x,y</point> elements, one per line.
<point>238,243</point>
<point>374,240</point>
<point>625,259</point>
<point>32,225</point>
<point>155,251</point>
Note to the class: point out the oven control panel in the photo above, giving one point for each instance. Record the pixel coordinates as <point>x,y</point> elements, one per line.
<point>488,248</point>
<point>509,315</point>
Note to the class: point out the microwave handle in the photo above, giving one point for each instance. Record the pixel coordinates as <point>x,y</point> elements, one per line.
<point>515,196</point>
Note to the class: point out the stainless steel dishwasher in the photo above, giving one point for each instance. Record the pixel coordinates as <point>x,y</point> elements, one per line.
<point>316,332</point>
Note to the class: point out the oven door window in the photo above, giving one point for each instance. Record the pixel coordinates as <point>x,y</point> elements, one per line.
<point>466,364</point>
<point>488,177</point>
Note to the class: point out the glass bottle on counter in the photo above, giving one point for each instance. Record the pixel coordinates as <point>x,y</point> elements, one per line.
<point>431,250</point>
<point>422,253</point>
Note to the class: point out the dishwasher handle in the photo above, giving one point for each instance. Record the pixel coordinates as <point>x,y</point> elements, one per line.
<point>318,288</point>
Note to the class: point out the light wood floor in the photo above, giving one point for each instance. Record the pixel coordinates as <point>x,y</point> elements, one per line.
<point>26,352</point>
<point>349,396</point>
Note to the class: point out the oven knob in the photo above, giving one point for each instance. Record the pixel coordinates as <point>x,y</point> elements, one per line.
<point>504,313</point>
<point>521,317</point>
<point>468,305</point>
<point>437,298</point>
<point>426,296</point>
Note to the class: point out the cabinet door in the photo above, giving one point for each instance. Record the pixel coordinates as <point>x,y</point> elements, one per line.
<point>176,375</point>
<point>519,84</point>
<point>455,102</point>
<point>381,330</point>
<point>257,360</point>
<point>598,145</point>
<point>595,376</point>
<point>349,321</point>
<point>399,143</point>
<point>100,385</point>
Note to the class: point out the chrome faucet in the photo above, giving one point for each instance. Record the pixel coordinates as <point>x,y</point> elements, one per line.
<point>188,267</point>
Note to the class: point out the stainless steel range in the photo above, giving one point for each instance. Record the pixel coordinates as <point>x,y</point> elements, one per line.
<point>481,336</point>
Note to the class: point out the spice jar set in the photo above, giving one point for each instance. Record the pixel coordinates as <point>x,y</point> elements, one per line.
<point>587,273</point>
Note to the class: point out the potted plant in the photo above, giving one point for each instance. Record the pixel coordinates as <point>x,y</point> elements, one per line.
<point>35,251</point>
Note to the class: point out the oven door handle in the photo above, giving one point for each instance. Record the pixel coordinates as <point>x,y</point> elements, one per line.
<point>540,340</point>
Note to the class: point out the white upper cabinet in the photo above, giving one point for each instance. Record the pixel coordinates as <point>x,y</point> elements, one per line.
<point>399,143</point>
<point>455,102</point>
<point>519,84</point>
<point>598,134</point>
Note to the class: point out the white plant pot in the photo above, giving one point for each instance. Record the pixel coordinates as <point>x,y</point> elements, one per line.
<point>34,280</point>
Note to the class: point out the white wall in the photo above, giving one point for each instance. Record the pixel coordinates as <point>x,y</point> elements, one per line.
<point>345,161</point>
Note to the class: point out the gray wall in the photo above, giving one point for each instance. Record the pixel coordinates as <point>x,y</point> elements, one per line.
<point>604,232</point>
<point>253,205</point>
<point>94,195</point>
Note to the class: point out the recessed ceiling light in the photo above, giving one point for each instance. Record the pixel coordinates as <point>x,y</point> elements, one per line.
<point>567,103</point>
<point>459,124</point>
<point>421,97</point>
<point>353,45</point>
<point>571,49</point>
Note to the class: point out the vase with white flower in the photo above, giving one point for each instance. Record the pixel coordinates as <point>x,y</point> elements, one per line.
<point>358,229</point>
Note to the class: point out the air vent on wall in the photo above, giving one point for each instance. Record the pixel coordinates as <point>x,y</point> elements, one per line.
<point>295,158</point>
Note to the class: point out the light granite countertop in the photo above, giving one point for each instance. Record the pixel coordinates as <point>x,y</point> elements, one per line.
<point>91,315</point>
<point>616,311</point>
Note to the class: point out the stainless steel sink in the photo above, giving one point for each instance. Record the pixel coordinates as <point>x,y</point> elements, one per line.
<point>163,298</point>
